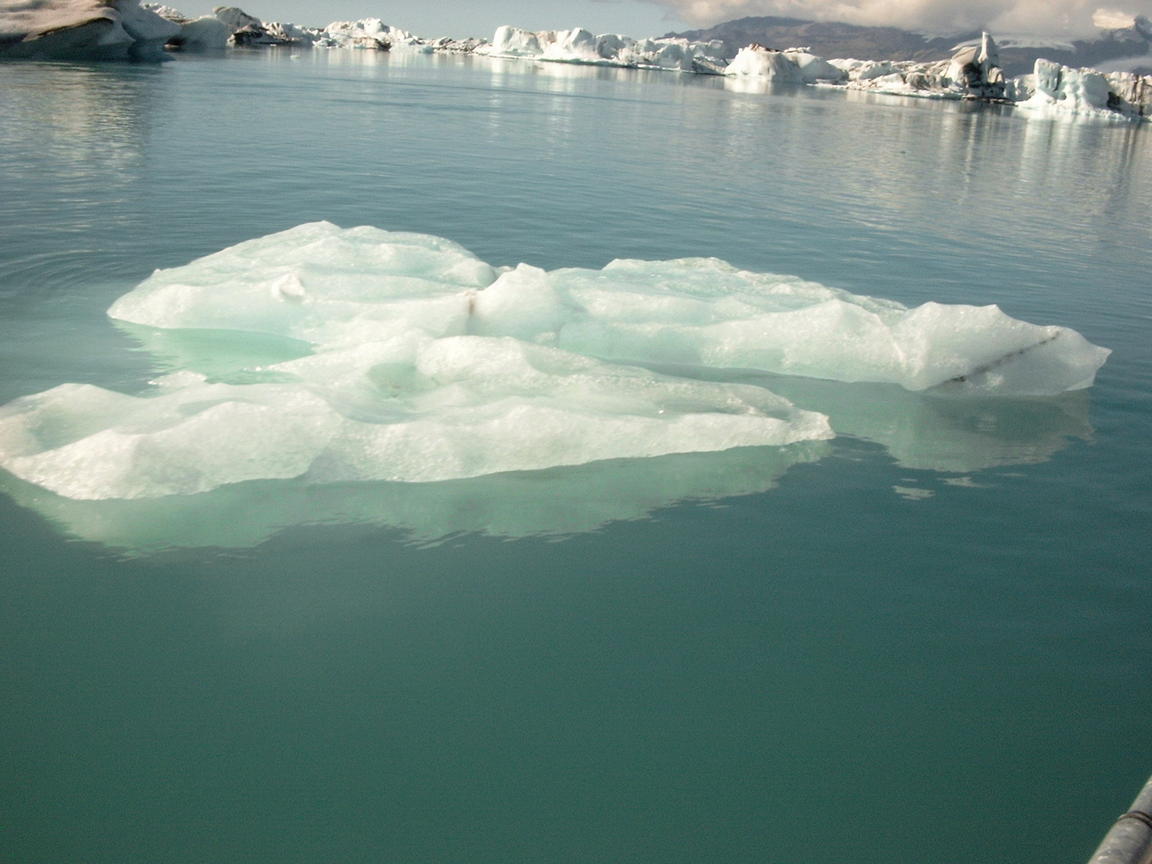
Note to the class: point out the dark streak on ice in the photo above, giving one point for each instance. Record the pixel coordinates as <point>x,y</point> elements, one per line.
<point>1000,361</point>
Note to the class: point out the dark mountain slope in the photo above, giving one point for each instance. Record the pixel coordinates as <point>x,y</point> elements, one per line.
<point>834,39</point>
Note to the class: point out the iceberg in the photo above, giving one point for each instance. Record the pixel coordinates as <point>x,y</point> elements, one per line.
<point>813,69</point>
<point>423,411</point>
<point>972,72</point>
<point>248,30</point>
<point>319,284</point>
<point>127,29</point>
<point>229,26</point>
<point>1070,90</point>
<point>580,46</point>
<point>793,66</point>
<point>83,29</point>
<point>232,26</point>
<point>957,436</point>
<point>404,358</point>
<point>706,312</point>
<point>975,70</point>
<point>612,49</point>
<point>1056,90</point>
<point>370,33</point>
<point>757,61</point>
<point>206,33</point>
<point>333,287</point>
<point>509,41</point>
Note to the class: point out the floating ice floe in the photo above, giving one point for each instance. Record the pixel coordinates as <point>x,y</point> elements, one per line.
<point>950,435</point>
<point>334,287</point>
<point>423,363</point>
<point>424,411</point>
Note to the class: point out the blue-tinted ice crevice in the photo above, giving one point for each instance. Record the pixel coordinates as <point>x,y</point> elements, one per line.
<point>427,364</point>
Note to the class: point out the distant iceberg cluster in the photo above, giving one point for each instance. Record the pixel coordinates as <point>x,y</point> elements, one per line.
<point>415,361</point>
<point>973,72</point>
<point>128,29</point>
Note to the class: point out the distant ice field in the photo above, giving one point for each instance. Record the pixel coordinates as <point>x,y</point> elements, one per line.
<point>704,453</point>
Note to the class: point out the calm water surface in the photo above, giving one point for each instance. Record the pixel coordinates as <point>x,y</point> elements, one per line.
<point>927,641</point>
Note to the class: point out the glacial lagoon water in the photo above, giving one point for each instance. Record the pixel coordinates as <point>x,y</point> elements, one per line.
<point>924,640</point>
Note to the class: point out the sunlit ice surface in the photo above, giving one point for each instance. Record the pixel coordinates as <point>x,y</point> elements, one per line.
<point>428,364</point>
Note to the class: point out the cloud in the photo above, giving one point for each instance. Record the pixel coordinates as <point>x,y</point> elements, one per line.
<point>1046,17</point>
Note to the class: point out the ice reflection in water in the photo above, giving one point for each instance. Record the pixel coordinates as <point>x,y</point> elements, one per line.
<point>956,437</point>
<point>87,119</point>
<point>554,502</point>
<point>936,432</point>
<point>91,125</point>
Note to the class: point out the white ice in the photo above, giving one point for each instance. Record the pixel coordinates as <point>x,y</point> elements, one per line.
<point>366,32</point>
<point>82,29</point>
<point>414,410</point>
<point>335,287</point>
<point>1062,91</point>
<point>428,364</point>
<point>612,49</point>
<point>794,66</point>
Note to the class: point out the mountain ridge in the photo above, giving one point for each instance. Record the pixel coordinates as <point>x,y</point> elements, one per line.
<point>838,39</point>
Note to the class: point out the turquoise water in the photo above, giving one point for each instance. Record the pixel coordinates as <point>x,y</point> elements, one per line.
<point>925,641</point>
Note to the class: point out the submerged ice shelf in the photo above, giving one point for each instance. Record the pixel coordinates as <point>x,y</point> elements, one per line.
<point>418,362</point>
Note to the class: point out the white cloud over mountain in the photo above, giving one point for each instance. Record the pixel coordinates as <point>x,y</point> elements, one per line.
<point>1066,17</point>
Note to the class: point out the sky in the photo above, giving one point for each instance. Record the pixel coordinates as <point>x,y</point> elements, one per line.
<point>656,17</point>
